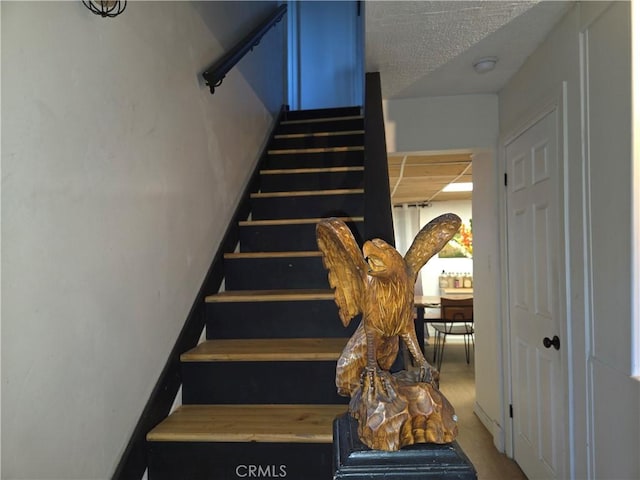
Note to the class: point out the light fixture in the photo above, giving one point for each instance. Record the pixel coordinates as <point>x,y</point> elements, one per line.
<point>459,187</point>
<point>106,8</point>
<point>485,64</point>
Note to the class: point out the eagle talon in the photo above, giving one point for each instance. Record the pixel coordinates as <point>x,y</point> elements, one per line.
<point>369,374</point>
<point>425,374</point>
<point>377,382</point>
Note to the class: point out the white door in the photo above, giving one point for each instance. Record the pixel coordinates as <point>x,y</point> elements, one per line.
<point>534,256</point>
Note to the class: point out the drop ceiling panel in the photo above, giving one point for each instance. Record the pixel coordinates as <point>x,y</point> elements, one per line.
<point>419,178</point>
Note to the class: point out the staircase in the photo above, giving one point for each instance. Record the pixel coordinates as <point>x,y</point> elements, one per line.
<point>258,394</point>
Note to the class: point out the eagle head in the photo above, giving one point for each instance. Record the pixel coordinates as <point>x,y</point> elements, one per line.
<point>382,258</point>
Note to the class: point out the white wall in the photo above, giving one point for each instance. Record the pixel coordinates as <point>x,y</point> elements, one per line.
<point>441,123</point>
<point>119,176</point>
<point>489,404</point>
<point>604,418</point>
<point>610,325</point>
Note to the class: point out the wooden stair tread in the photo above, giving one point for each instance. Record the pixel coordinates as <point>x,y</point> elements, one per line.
<point>288,171</point>
<point>249,423</point>
<point>292,221</point>
<point>270,296</point>
<point>293,151</point>
<point>318,134</point>
<point>309,193</point>
<point>294,254</point>
<point>321,120</point>
<point>266,349</point>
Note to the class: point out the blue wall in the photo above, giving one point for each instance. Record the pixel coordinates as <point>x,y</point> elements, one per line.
<point>326,54</point>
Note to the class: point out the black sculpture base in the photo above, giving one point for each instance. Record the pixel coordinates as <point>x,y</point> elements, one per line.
<point>353,460</point>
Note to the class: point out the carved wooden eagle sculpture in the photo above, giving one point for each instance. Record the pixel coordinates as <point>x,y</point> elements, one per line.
<point>380,285</point>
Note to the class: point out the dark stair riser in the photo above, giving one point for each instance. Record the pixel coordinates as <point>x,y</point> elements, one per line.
<point>323,141</point>
<point>231,461</point>
<point>275,273</point>
<point>260,382</point>
<point>342,125</point>
<point>308,206</point>
<point>312,114</point>
<point>284,238</point>
<point>273,382</point>
<point>281,319</point>
<point>311,181</point>
<point>315,160</point>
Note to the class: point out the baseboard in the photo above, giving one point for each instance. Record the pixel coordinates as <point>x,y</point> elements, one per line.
<point>497,432</point>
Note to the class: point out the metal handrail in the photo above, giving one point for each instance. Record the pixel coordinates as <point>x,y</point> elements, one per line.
<point>216,73</point>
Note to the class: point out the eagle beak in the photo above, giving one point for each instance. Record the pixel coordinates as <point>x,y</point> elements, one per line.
<point>376,265</point>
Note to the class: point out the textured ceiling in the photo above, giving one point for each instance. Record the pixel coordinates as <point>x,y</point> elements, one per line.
<point>424,48</point>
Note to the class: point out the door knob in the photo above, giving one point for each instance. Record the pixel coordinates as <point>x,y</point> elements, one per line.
<point>548,342</point>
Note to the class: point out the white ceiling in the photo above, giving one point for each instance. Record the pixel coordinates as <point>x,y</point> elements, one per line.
<point>424,48</point>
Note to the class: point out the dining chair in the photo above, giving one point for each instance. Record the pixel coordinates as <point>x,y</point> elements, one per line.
<point>456,318</point>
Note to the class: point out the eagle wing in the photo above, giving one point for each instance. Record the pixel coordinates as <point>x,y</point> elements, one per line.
<point>347,269</point>
<point>430,240</point>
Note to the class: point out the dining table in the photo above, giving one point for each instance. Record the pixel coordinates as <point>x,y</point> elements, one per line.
<point>427,310</point>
